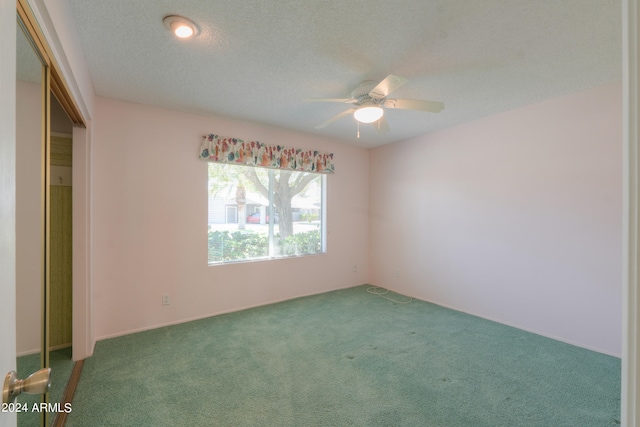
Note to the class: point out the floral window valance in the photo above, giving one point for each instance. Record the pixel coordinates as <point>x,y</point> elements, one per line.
<point>215,148</point>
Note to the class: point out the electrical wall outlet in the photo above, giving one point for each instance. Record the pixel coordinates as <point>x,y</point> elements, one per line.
<point>165,299</point>
<point>355,268</point>
<point>397,272</point>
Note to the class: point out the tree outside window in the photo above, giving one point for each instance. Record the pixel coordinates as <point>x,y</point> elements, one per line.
<point>257,213</point>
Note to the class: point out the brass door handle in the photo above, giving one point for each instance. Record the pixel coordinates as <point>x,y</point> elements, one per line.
<point>36,383</point>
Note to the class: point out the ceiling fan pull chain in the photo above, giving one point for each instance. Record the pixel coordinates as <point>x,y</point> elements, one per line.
<point>358,133</point>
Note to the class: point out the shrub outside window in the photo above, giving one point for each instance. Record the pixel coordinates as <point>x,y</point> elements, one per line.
<point>257,213</point>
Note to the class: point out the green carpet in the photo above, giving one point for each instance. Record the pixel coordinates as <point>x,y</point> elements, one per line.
<point>345,358</point>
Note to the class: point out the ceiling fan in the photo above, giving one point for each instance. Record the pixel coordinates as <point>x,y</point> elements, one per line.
<point>369,100</point>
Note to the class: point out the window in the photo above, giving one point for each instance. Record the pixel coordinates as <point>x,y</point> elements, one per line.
<point>257,213</point>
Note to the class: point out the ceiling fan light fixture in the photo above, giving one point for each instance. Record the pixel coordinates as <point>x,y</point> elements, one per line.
<point>368,114</point>
<point>180,26</point>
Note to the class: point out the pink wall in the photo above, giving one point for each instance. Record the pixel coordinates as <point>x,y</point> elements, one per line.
<point>516,217</point>
<point>150,221</point>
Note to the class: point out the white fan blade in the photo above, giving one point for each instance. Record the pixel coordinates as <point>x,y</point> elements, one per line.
<point>382,126</point>
<point>414,104</point>
<point>388,85</point>
<point>334,118</point>
<point>343,100</point>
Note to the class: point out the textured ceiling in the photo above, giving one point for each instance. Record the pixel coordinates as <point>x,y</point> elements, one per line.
<point>258,60</point>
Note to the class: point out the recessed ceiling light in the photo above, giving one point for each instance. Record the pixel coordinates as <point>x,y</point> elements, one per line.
<point>180,26</point>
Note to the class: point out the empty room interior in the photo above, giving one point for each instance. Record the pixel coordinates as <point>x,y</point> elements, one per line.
<point>222,238</point>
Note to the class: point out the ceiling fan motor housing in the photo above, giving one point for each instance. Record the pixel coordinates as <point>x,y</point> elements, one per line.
<point>367,100</point>
<point>361,93</point>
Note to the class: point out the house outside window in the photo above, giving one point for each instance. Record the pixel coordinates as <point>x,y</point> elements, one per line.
<point>257,213</point>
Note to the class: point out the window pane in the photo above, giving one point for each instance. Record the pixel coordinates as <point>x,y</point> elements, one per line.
<point>258,213</point>
<point>298,201</point>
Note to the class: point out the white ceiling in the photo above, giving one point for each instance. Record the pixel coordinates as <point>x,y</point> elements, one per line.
<point>257,60</point>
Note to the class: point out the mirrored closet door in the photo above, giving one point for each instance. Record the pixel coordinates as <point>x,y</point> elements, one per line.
<point>31,112</point>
